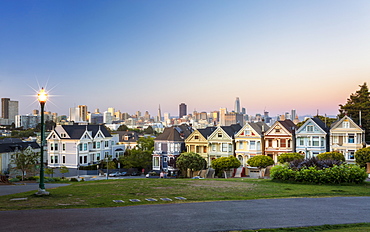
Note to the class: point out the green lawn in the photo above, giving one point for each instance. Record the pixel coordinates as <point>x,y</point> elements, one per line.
<point>102,193</point>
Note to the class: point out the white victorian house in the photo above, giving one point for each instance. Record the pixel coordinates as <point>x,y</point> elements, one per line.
<point>312,138</point>
<point>81,145</point>
<point>346,137</point>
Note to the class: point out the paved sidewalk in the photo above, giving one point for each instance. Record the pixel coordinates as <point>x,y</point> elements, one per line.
<point>202,216</point>
<point>19,188</point>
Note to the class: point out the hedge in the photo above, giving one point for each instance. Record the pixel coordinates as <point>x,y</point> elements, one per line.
<point>344,173</point>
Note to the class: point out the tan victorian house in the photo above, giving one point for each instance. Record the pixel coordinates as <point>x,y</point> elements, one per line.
<point>280,138</point>
<point>346,137</point>
<point>248,141</point>
<point>221,141</point>
<point>198,142</point>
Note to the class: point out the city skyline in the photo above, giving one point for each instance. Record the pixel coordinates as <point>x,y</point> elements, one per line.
<point>136,55</point>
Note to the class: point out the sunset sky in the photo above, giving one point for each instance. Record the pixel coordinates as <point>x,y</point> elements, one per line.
<point>135,55</point>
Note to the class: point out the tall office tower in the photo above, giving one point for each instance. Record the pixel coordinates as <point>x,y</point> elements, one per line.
<point>237,105</point>
<point>138,114</point>
<point>74,114</point>
<point>293,115</point>
<point>182,110</point>
<point>5,108</point>
<point>107,117</point>
<point>223,112</point>
<point>118,115</point>
<point>13,111</point>
<point>159,117</point>
<point>146,116</point>
<point>82,113</point>
<point>166,116</point>
<point>244,111</point>
<point>35,112</point>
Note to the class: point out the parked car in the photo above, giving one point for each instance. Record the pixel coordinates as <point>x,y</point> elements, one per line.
<point>114,174</point>
<point>135,174</point>
<point>124,174</point>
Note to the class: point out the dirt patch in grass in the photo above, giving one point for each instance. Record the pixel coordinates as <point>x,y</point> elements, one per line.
<point>220,184</point>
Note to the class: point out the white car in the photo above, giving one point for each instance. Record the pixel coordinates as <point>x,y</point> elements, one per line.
<point>114,174</point>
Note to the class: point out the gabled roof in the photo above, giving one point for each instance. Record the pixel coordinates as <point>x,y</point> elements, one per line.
<point>11,145</point>
<point>259,126</point>
<point>289,125</point>
<point>175,133</point>
<point>339,121</point>
<point>205,132</point>
<point>232,129</point>
<point>127,136</point>
<point>76,131</point>
<point>321,124</point>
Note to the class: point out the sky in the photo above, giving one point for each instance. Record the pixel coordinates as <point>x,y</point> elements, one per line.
<point>135,55</point>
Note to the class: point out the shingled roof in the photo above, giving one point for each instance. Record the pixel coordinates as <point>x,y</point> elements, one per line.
<point>232,129</point>
<point>289,125</point>
<point>175,133</point>
<point>76,131</point>
<point>11,145</point>
<point>205,132</point>
<point>257,126</point>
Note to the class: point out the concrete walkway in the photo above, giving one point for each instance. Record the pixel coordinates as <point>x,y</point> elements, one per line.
<point>204,216</point>
<point>19,188</point>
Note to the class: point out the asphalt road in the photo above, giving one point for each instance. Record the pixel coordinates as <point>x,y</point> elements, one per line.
<point>204,216</point>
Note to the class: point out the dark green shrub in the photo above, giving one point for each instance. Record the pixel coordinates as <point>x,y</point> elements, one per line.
<point>14,180</point>
<point>288,157</point>
<point>74,180</point>
<point>313,162</point>
<point>331,156</point>
<point>362,156</point>
<point>337,174</point>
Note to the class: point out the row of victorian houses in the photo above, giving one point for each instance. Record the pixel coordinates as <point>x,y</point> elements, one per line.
<point>311,139</point>
<point>82,145</point>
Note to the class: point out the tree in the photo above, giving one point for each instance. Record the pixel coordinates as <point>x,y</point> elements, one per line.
<point>146,144</point>
<point>333,155</point>
<point>25,160</point>
<point>225,163</point>
<point>190,161</point>
<point>261,162</point>
<point>49,171</point>
<point>136,158</point>
<point>359,101</point>
<point>63,170</point>
<point>149,130</point>
<point>122,127</point>
<point>287,157</point>
<point>362,156</point>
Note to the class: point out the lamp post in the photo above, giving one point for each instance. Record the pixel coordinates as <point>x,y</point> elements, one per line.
<point>42,97</point>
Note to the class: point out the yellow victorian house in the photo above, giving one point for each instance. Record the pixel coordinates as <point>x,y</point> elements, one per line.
<point>221,141</point>
<point>198,142</point>
<point>346,137</point>
<point>248,143</point>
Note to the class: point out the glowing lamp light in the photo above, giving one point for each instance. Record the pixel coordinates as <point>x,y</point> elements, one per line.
<point>42,96</point>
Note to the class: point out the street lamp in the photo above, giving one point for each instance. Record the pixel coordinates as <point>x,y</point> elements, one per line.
<point>42,97</point>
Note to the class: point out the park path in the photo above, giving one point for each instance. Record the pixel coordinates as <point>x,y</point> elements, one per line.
<point>203,216</point>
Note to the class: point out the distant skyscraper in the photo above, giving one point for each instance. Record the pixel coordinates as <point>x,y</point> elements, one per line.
<point>5,108</point>
<point>293,115</point>
<point>13,111</point>
<point>82,112</point>
<point>237,105</point>
<point>182,110</point>
<point>159,117</point>
<point>223,112</point>
<point>244,111</point>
